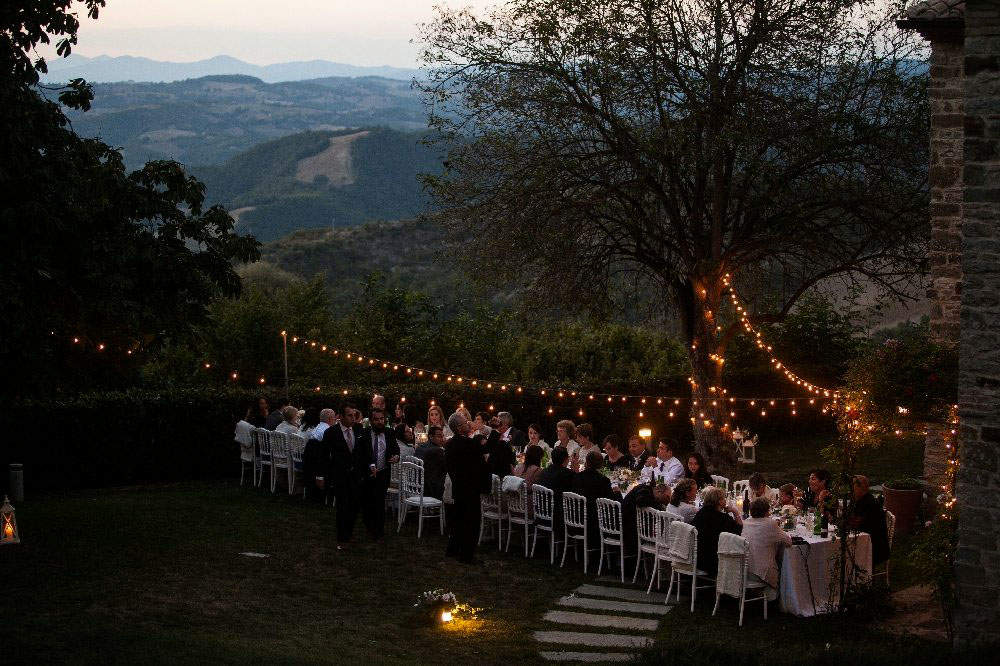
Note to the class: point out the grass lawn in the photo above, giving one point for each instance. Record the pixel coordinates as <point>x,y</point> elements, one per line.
<point>154,574</point>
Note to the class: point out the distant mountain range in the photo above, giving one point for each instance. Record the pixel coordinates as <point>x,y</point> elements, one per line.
<point>106,69</point>
<point>214,118</point>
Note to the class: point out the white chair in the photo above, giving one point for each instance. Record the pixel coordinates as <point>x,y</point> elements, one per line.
<point>684,561</point>
<point>662,551</point>
<point>734,554</point>
<point>243,437</point>
<point>263,454</point>
<point>574,518</point>
<point>412,459</point>
<point>748,451</point>
<point>645,524</point>
<point>412,495</point>
<point>448,495</point>
<point>890,528</point>
<point>609,524</point>
<point>256,436</point>
<point>720,482</point>
<point>492,508</point>
<point>543,502</point>
<point>392,493</point>
<point>740,486</point>
<point>279,456</point>
<point>517,514</point>
<point>296,445</point>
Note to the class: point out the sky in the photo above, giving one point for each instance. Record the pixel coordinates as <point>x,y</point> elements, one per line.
<point>262,32</point>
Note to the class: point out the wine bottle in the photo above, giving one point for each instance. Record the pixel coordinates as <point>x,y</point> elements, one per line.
<point>746,503</point>
<point>818,519</point>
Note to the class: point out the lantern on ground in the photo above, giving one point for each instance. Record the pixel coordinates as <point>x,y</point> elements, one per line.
<point>8,524</point>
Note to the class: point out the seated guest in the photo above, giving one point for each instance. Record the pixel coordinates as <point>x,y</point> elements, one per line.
<point>432,453</point>
<point>290,422</point>
<point>766,539</point>
<point>664,466</point>
<point>558,478</point>
<point>697,470</point>
<point>435,417</point>
<point>760,490</point>
<point>643,495</point>
<point>869,516</point>
<point>257,413</point>
<point>585,438</point>
<point>508,433</point>
<point>613,453</point>
<point>714,518</point>
<point>682,499</point>
<point>309,422</point>
<point>404,429</point>
<point>786,495</point>
<point>481,424</point>
<point>818,493</point>
<point>637,453</point>
<point>275,418</point>
<point>592,484</point>
<point>565,432</point>
<point>535,438</point>
<point>530,470</point>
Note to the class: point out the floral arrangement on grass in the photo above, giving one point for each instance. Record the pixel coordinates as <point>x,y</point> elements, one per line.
<point>439,604</point>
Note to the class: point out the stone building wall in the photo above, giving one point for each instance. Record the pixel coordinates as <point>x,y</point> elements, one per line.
<point>978,556</point>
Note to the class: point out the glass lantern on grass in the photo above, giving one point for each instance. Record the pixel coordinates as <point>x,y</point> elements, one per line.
<point>8,524</point>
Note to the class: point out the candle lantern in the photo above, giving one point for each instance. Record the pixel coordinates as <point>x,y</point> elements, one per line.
<point>645,433</point>
<point>8,524</point>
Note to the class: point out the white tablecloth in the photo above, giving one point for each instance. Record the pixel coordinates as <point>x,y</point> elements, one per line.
<point>809,572</point>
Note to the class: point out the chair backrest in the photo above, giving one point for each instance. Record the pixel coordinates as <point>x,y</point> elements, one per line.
<point>413,459</point>
<point>264,442</point>
<point>645,523</point>
<point>279,445</point>
<point>609,516</point>
<point>734,552</point>
<point>890,526</point>
<point>720,481</point>
<point>396,474</point>
<point>517,502</point>
<point>574,510</point>
<point>412,484</point>
<point>679,532</point>
<point>663,521</point>
<point>740,486</point>
<point>491,502</point>
<point>543,501</point>
<point>296,445</point>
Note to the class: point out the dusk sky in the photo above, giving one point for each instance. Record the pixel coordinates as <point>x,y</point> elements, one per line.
<point>360,32</point>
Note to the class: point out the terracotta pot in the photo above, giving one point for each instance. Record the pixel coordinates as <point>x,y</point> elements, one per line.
<point>905,505</point>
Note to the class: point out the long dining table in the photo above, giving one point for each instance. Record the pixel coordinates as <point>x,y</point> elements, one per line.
<point>808,584</point>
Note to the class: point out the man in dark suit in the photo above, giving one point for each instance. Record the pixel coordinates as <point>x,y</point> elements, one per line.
<point>558,478</point>
<point>384,454</point>
<point>637,453</point>
<point>500,455</point>
<point>435,465</point>
<point>350,465</point>
<point>517,439</point>
<point>470,477</point>
<point>316,461</point>
<point>592,484</point>
<point>643,495</point>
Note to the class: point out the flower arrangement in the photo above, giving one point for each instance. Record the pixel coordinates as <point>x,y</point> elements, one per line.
<point>439,604</point>
<point>788,515</point>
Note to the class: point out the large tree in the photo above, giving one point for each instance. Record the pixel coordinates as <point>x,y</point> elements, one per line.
<point>782,142</point>
<point>115,259</point>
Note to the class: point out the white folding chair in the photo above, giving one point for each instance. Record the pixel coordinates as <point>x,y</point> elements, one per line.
<point>720,482</point>
<point>392,494</point>
<point>412,459</point>
<point>279,456</point>
<point>890,528</point>
<point>661,553</point>
<point>543,502</point>
<point>256,437</point>
<point>574,518</point>
<point>685,563</point>
<point>740,486</point>
<point>734,554</point>
<point>412,495</point>
<point>493,509</point>
<point>518,514</point>
<point>645,523</point>
<point>296,445</point>
<point>609,524</point>
<point>265,455</point>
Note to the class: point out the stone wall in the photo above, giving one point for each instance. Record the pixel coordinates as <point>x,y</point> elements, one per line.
<point>978,557</point>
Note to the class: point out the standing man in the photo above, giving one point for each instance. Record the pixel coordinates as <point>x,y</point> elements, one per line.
<point>508,433</point>
<point>316,460</point>
<point>384,454</point>
<point>664,466</point>
<point>350,464</point>
<point>470,477</point>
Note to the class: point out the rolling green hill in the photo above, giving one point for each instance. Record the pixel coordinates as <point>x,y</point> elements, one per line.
<point>322,180</point>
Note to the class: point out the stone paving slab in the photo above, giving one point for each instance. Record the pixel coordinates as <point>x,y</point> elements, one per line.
<point>620,622</point>
<point>586,656</point>
<point>592,640</point>
<point>621,593</point>
<point>617,606</point>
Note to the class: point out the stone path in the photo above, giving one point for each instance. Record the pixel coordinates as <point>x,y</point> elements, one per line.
<point>617,621</point>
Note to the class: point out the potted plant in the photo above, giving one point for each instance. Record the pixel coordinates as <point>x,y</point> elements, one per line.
<point>902,498</point>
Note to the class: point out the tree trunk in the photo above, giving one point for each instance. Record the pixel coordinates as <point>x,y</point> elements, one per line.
<point>700,300</point>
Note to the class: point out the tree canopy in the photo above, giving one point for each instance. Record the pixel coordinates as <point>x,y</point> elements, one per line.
<point>117,260</point>
<point>660,146</point>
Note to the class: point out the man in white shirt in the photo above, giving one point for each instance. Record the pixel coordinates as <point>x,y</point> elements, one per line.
<point>327,417</point>
<point>664,466</point>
